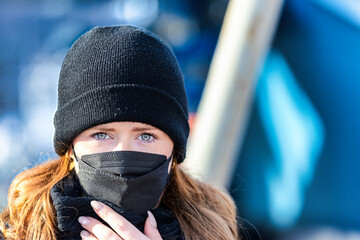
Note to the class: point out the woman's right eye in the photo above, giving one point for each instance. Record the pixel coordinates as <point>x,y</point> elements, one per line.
<point>101,136</point>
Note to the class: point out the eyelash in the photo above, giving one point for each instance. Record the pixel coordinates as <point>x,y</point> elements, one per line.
<point>94,136</point>
<point>154,137</point>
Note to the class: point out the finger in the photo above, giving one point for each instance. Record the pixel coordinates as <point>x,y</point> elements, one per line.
<point>98,229</point>
<point>117,222</point>
<point>86,235</point>
<point>150,228</point>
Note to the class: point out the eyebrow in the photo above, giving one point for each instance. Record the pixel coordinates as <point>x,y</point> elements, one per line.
<point>139,129</point>
<point>135,129</point>
<point>104,129</point>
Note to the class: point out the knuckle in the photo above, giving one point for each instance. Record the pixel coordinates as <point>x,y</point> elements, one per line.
<point>121,226</point>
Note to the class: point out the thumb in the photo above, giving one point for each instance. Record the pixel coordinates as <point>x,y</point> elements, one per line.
<point>150,228</point>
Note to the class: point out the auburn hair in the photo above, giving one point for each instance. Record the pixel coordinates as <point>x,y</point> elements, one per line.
<point>203,211</point>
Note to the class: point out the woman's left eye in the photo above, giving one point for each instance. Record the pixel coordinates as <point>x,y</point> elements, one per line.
<point>101,136</point>
<point>146,137</point>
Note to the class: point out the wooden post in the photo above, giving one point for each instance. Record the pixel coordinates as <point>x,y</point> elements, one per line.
<point>223,111</point>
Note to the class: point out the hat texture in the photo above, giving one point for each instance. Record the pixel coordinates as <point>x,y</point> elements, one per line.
<point>120,73</point>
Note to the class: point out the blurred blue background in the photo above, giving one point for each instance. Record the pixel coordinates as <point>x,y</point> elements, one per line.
<point>297,171</point>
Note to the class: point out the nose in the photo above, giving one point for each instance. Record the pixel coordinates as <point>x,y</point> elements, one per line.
<point>123,144</point>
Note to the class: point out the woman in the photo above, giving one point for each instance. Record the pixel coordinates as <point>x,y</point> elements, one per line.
<point>121,128</point>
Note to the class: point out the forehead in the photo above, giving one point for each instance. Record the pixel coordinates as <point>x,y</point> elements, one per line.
<point>124,126</point>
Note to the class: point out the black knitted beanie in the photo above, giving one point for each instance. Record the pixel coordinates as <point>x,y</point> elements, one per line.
<point>120,73</point>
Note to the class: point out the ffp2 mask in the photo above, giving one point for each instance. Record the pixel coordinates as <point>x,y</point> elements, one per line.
<point>132,180</point>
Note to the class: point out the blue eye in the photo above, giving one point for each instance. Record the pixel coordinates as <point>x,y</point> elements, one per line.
<point>101,136</point>
<point>146,137</point>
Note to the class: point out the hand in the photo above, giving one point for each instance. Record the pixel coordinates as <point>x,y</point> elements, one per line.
<point>123,229</point>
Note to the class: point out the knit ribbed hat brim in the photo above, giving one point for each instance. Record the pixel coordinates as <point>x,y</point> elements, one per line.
<point>90,109</point>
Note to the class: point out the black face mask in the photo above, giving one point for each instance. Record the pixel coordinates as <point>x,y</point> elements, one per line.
<point>129,179</point>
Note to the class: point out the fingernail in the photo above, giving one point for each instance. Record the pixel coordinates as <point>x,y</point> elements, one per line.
<point>96,205</point>
<point>83,220</point>
<point>84,233</point>
<point>152,219</point>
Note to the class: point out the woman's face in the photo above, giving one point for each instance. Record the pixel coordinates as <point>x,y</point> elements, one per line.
<point>120,136</point>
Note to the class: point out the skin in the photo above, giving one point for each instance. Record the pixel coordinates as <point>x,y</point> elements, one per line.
<point>120,136</point>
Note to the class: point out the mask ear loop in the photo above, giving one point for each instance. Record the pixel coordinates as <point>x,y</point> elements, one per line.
<point>173,163</point>
<point>76,159</point>
<point>73,149</point>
